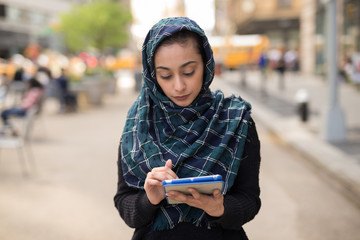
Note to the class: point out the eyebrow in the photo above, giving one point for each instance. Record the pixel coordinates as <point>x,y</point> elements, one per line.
<point>182,66</point>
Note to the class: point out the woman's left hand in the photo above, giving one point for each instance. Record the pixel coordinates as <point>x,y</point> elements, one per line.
<point>213,204</point>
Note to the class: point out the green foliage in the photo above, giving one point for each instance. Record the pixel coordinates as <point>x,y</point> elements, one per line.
<point>100,24</point>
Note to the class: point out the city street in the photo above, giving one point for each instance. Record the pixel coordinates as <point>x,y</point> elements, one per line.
<point>70,193</point>
<point>298,201</point>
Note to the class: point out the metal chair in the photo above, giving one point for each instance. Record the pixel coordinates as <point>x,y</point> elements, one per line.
<point>22,141</point>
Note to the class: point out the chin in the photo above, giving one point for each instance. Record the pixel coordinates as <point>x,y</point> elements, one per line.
<point>182,104</point>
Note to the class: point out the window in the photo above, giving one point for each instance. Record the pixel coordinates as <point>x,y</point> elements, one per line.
<point>2,11</point>
<point>37,18</point>
<point>14,14</point>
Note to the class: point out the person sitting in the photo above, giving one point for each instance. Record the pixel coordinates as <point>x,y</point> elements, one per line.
<point>32,97</point>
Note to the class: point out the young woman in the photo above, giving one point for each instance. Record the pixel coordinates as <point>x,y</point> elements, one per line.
<point>178,128</point>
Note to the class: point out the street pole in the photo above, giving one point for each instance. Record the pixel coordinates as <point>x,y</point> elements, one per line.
<point>334,126</point>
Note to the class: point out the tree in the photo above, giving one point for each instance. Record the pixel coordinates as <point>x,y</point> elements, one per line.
<point>100,24</point>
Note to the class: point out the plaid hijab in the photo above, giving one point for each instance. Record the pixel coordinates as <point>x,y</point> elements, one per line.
<point>204,138</point>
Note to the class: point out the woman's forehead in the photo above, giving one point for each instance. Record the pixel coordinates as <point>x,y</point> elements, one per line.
<point>189,42</point>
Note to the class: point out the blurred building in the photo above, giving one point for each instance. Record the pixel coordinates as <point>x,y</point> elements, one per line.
<point>293,24</point>
<point>351,26</point>
<point>32,22</point>
<point>279,20</point>
<point>348,31</point>
<point>24,22</point>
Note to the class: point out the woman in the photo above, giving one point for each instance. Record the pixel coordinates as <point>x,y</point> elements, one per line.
<point>178,128</point>
<point>32,97</point>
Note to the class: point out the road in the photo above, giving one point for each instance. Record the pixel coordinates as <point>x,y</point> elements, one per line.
<point>69,196</point>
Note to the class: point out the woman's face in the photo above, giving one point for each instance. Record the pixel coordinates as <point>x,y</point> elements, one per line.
<point>179,71</point>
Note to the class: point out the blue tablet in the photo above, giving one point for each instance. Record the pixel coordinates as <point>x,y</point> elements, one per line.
<point>204,184</point>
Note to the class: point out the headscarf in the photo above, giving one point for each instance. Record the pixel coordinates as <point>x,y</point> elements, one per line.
<point>207,137</point>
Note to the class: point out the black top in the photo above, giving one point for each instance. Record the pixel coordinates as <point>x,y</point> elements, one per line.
<point>241,203</point>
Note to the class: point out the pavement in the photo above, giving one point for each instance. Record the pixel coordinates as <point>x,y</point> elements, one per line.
<point>276,108</point>
<point>70,183</point>
<point>69,189</point>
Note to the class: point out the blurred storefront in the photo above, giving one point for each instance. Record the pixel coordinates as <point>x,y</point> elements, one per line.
<point>299,25</point>
<point>278,19</point>
<point>351,30</point>
<point>348,25</point>
<point>320,26</point>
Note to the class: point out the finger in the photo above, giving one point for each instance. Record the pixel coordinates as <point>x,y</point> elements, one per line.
<point>194,193</point>
<point>173,175</point>
<point>166,167</point>
<point>177,196</point>
<point>160,176</point>
<point>217,193</point>
<point>168,163</point>
<point>153,182</point>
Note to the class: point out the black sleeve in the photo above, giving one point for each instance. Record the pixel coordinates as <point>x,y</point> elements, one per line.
<point>242,202</point>
<point>133,205</point>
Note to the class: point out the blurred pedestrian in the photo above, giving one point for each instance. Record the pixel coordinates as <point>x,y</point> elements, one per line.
<point>4,88</point>
<point>32,97</point>
<point>67,99</point>
<point>18,84</point>
<point>19,75</point>
<point>281,68</point>
<point>4,79</point>
<point>45,77</point>
<point>263,64</point>
<point>274,56</point>
<point>178,128</point>
<point>291,59</point>
<point>348,70</point>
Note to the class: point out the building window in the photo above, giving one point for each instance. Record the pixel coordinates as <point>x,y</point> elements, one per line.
<point>14,15</point>
<point>351,27</point>
<point>284,3</point>
<point>2,11</point>
<point>37,18</point>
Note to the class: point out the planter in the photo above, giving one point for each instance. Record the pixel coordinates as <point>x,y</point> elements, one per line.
<point>111,87</point>
<point>95,88</point>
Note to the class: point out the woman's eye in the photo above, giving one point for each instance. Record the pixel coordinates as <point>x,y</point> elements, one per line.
<point>166,77</point>
<point>189,73</point>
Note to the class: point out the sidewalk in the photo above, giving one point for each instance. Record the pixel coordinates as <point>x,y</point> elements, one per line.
<point>277,110</point>
<point>68,193</point>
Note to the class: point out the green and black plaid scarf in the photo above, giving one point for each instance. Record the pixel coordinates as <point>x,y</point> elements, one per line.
<point>204,138</point>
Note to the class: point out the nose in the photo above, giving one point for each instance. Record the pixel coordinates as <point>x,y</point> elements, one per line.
<point>179,84</point>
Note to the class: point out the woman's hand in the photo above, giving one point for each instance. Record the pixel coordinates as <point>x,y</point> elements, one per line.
<point>153,186</point>
<point>213,204</point>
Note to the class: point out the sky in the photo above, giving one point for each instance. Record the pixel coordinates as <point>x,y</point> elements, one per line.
<point>202,11</point>
<point>147,13</point>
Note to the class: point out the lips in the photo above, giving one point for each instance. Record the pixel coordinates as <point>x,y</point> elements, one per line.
<point>182,98</point>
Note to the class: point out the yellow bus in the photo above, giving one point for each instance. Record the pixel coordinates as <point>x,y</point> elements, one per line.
<point>237,50</point>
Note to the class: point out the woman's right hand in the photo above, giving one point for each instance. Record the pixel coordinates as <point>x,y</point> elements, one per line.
<point>153,186</point>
